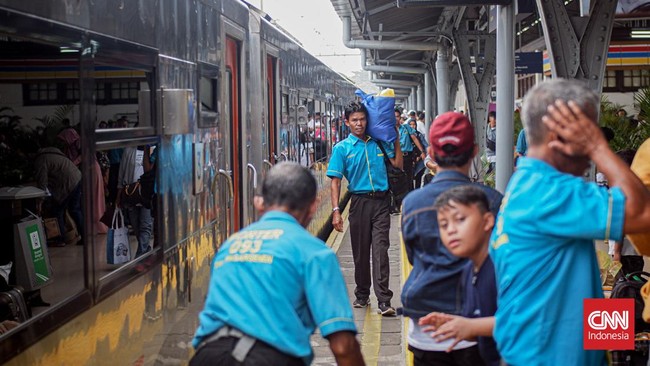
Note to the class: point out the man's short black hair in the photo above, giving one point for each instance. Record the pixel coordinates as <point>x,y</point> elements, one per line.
<point>421,115</point>
<point>290,185</point>
<point>398,110</point>
<point>465,195</point>
<point>453,160</point>
<point>355,107</point>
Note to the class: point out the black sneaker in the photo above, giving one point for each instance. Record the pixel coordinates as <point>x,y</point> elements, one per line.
<point>385,309</point>
<point>360,303</point>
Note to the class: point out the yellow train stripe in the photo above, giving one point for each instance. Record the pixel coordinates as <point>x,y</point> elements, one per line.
<point>406,270</point>
<point>371,339</point>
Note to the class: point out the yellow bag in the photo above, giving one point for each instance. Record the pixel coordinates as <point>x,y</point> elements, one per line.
<point>387,93</point>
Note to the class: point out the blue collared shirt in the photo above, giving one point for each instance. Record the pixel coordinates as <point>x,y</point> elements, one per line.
<point>522,146</point>
<point>405,141</point>
<point>545,263</point>
<point>361,163</point>
<point>275,282</point>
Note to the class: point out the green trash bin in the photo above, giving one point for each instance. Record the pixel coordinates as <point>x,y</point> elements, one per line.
<point>32,262</point>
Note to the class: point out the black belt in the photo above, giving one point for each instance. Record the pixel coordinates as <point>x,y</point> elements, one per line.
<point>378,194</point>
<point>243,346</point>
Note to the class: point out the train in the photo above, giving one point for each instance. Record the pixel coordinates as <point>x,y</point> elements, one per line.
<point>219,91</point>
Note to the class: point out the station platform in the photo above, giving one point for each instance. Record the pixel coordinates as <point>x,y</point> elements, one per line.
<point>382,339</point>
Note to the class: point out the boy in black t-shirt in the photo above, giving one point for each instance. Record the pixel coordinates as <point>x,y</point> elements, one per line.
<point>466,223</point>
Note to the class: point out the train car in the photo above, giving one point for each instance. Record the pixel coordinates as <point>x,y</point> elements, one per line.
<point>210,88</point>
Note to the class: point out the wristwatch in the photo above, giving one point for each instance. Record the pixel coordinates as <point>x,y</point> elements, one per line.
<point>336,209</point>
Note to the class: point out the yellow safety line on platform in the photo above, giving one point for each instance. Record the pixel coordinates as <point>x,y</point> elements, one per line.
<point>371,339</point>
<point>406,270</point>
<point>335,238</point>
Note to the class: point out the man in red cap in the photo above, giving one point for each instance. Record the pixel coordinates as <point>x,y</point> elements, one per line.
<point>434,282</point>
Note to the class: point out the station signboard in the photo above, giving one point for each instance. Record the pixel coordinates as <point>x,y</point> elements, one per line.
<point>529,63</point>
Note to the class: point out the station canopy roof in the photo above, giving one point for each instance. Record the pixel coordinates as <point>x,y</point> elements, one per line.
<point>418,21</point>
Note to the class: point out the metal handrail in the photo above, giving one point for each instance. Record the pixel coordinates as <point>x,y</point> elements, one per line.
<point>252,167</point>
<point>268,163</point>
<point>231,185</point>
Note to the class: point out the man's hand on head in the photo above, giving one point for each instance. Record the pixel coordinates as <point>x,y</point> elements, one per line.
<point>578,134</point>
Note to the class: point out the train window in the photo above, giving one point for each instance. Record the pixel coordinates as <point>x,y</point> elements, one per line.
<point>208,96</point>
<point>40,128</point>
<point>122,203</point>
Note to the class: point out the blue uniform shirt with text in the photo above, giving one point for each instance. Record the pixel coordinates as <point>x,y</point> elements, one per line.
<point>405,141</point>
<point>361,163</point>
<point>545,263</point>
<point>275,282</point>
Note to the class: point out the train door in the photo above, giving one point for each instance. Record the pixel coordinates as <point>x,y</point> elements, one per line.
<point>233,115</point>
<point>271,125</point>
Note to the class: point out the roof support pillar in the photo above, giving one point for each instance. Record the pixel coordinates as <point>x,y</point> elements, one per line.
<point>428,112</point>
<point>442,80</point>
<point>420,105</point>
<point>414,94</point>
<point>505,94</point>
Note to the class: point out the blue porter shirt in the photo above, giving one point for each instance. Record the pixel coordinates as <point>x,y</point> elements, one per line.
<point>361,163</point>
<point>405,141</point>
<point>275,282</point>
<point>545,263</point>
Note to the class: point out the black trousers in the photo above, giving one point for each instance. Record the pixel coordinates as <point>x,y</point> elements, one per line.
<point>369,227</point>
<point>409,162</point>
<point>462,357</point>
<point>417,178</point>
<point>218,353</point>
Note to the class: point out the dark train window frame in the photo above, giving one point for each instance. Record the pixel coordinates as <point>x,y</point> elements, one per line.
<point>209,73</point>
<point>93,290</point>
<point>63,88</point>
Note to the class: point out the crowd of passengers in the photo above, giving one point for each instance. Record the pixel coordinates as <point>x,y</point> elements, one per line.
<point>496,279</point>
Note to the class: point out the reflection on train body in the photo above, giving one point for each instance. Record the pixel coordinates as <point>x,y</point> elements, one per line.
<point>208,107</point>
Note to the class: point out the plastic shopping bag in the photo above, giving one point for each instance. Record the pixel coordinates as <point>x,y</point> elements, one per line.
<point>381,116</point>
<point>118,249</point>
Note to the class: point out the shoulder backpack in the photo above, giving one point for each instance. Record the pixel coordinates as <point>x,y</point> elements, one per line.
<point>397,178</point>
<point>628,287</point>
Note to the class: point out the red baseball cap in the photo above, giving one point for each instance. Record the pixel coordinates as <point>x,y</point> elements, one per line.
<point>452,129</point>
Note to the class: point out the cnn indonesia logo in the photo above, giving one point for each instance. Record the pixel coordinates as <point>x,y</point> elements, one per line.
<point>608,324</point>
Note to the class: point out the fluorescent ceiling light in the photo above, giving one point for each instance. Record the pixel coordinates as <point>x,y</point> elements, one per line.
<point>640,33</point>
<point>64,49</point>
